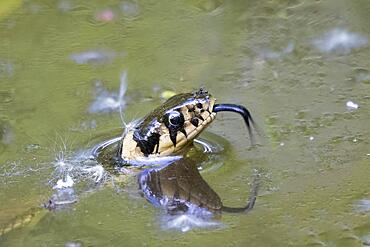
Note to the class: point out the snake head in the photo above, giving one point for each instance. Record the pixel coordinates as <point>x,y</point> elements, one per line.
<point>169,127</point>
<point>173,125</point>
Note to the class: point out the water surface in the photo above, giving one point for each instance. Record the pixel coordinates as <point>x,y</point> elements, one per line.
<point>294,64</point>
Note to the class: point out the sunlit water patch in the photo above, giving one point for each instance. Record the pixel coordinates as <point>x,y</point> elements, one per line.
<point>94,57</point>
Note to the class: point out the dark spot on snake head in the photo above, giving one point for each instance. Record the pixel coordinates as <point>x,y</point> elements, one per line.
<point>199,105</point>
<point>146,143</point>
<point>195,121</point>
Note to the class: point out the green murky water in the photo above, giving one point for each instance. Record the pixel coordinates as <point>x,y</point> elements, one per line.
<point>276,57</point>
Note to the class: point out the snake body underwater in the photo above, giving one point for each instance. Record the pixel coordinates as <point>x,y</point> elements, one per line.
<point>166,134</point>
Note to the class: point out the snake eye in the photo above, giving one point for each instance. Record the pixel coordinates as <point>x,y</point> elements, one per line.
<point>175,119</point>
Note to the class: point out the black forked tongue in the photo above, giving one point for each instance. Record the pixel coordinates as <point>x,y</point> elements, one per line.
<point>238,109</point>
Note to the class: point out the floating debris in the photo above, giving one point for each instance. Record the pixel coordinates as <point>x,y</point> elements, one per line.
<point>93,57</point>
<point>167,94</point>
<point>340,41</point>
<point>6,69</point>
<point>106,15</point>
<point>272,55</point>
<point>65,6</point>
<point>130,9</point>
<point>109,101</point>
<point>351,105</point>
<point>363,205</point>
